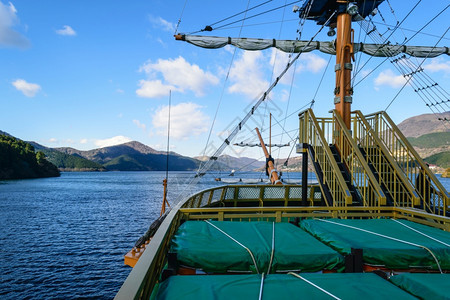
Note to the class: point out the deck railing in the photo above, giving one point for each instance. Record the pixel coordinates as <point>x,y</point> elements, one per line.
<point>142,279</point>
<point>361,175</point>
<point>434,197</point>
<point>389,173</point>
<point>311,133</point>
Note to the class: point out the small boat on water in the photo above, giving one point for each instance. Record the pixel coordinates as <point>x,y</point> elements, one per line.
<point>375,224</point>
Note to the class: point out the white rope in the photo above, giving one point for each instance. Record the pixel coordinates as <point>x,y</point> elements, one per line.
<point>314,285</point>
<point>387,237</point>
<point>236,241</point>
<point>261,287</point>
<point>426,235</point>
<point>273,248</point>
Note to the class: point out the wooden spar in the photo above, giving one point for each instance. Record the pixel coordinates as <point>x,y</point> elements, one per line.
<point>163,206</point>
<point>273,175</point>
<point>343,69</point>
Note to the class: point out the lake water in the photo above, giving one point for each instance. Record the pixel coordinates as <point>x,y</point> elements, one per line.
<point>65,237</point>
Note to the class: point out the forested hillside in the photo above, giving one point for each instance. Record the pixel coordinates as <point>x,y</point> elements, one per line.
<point>18,160</point>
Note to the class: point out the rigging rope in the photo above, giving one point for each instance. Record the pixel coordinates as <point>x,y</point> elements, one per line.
<point>230,137</point>
<point>240,13</point>
<point>236,241</point>
<point>427,89</point>
<point>382,44</point>
<point>168,142</point>
<point>208,28</point>
<point>387,237</point>
<point>314,285</point>
<point>300,31</point>
<point>426,235</point>
<point>179,20</point>
<point>222,92</point>
<point>261,287</point>
<point>416,70</point>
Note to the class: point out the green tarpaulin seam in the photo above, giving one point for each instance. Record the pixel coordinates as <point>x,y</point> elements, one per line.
<point>387,237</point>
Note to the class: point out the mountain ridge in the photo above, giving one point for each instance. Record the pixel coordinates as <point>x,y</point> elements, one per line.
<point>424,124</point>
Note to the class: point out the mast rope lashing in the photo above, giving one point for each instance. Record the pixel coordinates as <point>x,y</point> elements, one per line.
<point>237,242</point>
<point>314,285</point>
<point>387,237</point>
<point>419,232</point>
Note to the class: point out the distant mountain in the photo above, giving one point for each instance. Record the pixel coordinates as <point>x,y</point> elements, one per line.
<point>134,156</point>
<point>5,133</point>
<point>67,162</point>
<point>106,154</point>
<point>430,136</point>
<point>431,140</point>
<point>441,159</point>
<point>425,124</point>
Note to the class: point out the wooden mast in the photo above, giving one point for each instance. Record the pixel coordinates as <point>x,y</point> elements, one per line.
<point>273,175</point>
<point>344,54</point>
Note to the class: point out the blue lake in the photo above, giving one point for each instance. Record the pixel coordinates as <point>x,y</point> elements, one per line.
<point>65,237</point>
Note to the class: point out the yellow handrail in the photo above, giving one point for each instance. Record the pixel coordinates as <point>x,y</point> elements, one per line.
<point>361,175</point>
<point>389,173</point>
<point>312,134</point>
<point>433,195</point>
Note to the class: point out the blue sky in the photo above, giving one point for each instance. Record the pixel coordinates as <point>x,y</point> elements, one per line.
<point>88,74</point>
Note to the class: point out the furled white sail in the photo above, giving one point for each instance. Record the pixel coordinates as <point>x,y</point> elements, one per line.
<point>213,42</point>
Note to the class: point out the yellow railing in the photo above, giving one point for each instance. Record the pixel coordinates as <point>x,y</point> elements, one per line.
<point>312,134</point>
<point>389,173</point>
<point>434,197</point>
<point>254,196</point>
<point>361,175</point>
<point>145,275</point>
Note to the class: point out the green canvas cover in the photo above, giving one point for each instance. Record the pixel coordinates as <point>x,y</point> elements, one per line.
<point>382,251</point>
<point>200,245</point>
<point>423,285</point>
<point>279,286</point>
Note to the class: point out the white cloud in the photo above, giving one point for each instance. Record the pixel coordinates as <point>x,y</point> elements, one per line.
<point>163,24</point>
<point>154,89</point>
<point>66,30</point>
<point>246,75</point>
<point>28,89</point>
<point>178,75</point>
<point>83,141</point>
<point>120,91</point>
<point>117,140</point>
<point>307,62</point>
<point>186,119</point>
<point>140,125</point>
<point>8,36</point>
<point>52,140</point>
<point>311,62</point>
<point>388,78</point>
<point>438,64</point>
